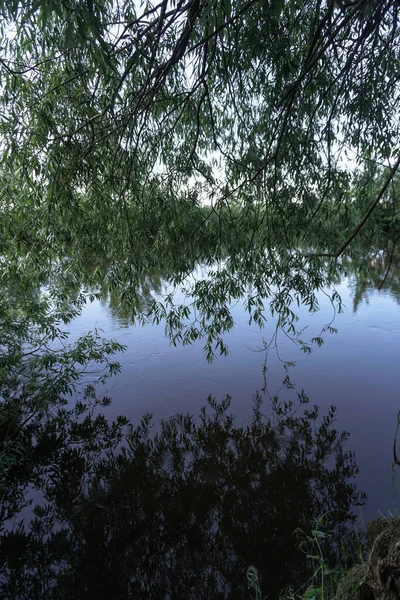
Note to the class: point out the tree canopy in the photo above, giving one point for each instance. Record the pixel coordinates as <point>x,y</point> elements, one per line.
<point>147,133</point>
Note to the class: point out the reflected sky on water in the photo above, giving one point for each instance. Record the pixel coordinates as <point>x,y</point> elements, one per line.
<point>357,370</point>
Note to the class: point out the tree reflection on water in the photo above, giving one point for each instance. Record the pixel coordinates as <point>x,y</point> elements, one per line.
<point>120,512</point>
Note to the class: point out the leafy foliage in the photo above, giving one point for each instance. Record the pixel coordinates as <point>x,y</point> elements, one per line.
<point>160,135</point>
<point>39,367</point>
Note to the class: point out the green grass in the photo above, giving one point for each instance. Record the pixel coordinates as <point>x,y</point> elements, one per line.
<point>337,582</point>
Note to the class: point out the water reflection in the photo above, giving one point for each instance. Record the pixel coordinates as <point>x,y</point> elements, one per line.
<point>130,294</point>
<point>121,513</point>
<point>379,270</point>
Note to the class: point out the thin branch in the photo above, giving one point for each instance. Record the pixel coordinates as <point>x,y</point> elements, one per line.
<point>390,262</point>
<point>361,224</point>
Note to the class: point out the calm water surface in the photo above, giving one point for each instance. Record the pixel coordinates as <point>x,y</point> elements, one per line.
<point>356,370</point>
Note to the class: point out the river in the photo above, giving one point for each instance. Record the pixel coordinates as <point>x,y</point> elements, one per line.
<point>356,370</point>
<point>183,507</point>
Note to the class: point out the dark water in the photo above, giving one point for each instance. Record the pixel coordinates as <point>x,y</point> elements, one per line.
<point>357,370</point>
<point>183,509</point>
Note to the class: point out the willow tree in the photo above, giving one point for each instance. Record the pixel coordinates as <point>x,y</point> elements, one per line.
<point>119,118</point>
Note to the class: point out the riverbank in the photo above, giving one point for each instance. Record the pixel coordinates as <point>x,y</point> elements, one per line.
<point>374,575</point>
